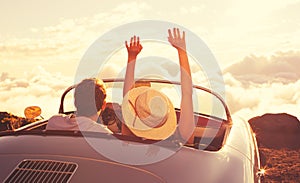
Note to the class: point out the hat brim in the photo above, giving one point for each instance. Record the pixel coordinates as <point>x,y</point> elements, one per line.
<point>140,129</point>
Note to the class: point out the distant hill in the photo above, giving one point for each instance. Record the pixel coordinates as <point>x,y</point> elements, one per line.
<point>277,131</point>
<point>279,146</point>
<point>9,121</point>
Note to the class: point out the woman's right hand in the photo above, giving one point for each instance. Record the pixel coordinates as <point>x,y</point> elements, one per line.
<point>176,40</point>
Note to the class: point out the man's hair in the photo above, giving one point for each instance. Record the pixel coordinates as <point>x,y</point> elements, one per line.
<point>89,96</point>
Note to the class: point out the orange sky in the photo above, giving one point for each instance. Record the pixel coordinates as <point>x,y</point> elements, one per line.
<point>255,43</point>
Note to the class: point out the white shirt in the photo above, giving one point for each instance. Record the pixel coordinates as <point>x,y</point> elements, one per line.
<point>70,122</point>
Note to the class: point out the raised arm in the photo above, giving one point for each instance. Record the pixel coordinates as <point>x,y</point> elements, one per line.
<point>186,122</point>
<point>133,49</point>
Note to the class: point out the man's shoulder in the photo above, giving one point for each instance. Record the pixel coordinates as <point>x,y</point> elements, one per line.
<point>62,122</point>
<point>87,124</point>
<point>61,116</point>
<point>72,122</point>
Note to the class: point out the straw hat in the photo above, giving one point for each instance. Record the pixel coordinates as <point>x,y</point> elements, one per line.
<point>149,113</point>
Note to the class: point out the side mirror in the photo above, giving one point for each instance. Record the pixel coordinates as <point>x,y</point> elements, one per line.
<point>32,112</point>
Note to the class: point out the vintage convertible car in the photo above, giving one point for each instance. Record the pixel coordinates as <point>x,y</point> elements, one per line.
<point>224,149</point>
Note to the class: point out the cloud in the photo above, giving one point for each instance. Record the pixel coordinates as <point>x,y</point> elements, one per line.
<point>260,98</point>
<point>259,85</point>
<point>281,67</point>
<point>4,76</point>
<point>61,46</point>
<point>37,87</point>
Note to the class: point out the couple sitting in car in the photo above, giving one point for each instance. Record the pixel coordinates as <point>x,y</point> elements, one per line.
<point>146,112</point>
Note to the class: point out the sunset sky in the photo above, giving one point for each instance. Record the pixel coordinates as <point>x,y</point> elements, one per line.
<point>256,44</point>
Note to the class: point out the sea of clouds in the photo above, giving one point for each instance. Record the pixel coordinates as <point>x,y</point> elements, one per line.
<point>254,86</point>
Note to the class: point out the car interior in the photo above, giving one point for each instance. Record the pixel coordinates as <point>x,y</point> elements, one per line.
<point>210,131</point>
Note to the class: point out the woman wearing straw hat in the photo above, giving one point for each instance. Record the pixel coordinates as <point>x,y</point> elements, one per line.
<point>149,113</point>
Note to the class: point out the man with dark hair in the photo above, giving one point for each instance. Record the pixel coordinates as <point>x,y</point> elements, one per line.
<point>90,95</point>
<point>89,100</point>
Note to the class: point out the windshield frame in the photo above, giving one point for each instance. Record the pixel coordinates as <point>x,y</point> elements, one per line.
<point>228,115</point>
